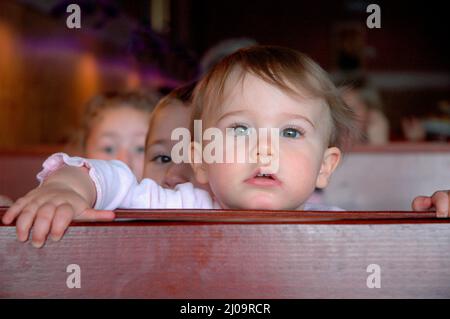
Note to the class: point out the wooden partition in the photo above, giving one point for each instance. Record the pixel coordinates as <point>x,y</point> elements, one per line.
<point>230,254</point>
<point>388,177</point>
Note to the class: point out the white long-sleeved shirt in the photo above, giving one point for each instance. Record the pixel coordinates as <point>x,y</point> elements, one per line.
<point>117,187</point>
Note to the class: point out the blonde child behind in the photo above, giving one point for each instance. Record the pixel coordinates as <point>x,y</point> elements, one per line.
<point>114,126</point>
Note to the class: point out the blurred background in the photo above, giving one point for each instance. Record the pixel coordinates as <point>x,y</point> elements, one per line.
<point>49,71</point>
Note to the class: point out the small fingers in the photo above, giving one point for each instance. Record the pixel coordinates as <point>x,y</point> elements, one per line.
<point>42,223</point>
<point>421,203</point>
<point>440,201</point>
<point>25,221</point>
<point>15,210</point>
<point>63,217</point>
<point>65,214</point>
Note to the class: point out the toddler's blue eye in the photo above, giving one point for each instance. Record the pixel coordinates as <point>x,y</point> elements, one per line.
<point>291,133</point>
<point>162,159</point>
<point>241,130</point>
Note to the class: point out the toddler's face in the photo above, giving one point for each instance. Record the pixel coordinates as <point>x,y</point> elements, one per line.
<point>304,159</point>
<point>119,134</point>
<point>158,161</point>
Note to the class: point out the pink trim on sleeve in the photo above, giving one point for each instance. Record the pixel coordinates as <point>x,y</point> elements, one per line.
<point>58,160</point>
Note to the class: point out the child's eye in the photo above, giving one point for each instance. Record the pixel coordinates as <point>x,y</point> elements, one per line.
<point>140,149</point>
<point>108,150</point>
<point>162,159</point>
<point>241,130</point>
<point>291,133</point>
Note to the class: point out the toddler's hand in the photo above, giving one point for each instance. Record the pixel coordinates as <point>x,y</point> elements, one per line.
<point>440,201</point>
<point>49,209</point>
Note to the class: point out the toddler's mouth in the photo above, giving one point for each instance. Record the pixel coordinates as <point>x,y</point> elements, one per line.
<point>263,179</point>
<point>264,176</point>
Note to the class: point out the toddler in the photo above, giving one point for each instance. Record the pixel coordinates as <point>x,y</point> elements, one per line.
<point>173,111</point>
<point>115,126</point>
<point>254,88</point>
<point>365,100</point>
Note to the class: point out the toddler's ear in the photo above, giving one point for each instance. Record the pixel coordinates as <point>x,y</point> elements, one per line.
<point>330,161</point>
<point>197,164</point>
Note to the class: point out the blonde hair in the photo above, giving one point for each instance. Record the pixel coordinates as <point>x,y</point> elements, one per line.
<point>139,100</point>
<point>284,68</point>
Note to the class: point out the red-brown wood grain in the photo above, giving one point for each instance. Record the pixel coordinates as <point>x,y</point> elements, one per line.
<point>231,254</point>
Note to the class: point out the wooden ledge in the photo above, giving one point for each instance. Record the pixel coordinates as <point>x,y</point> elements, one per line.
<point>226,255</point>
<point>145,216</point>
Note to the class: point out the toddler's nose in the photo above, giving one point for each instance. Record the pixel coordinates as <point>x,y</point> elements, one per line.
<point>267,146</point>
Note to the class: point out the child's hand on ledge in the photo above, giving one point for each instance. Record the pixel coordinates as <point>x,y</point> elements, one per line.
<point>49,209</point>
<point>440,201</point>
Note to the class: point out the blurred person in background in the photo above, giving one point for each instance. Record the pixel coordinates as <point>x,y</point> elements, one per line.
<point>430,128</point>
<point>366,102</point>
<point>371,123</point>
<point>220,50</point>
<point>114,126</point>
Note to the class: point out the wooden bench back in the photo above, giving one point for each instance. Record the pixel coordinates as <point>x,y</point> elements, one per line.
<point>223,254</point>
